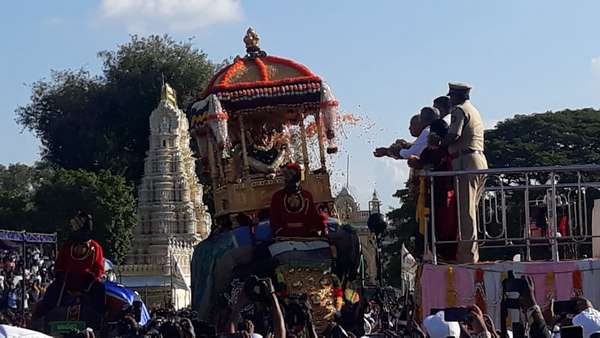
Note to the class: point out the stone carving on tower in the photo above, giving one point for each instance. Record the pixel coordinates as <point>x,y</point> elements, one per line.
<point>171,215</point>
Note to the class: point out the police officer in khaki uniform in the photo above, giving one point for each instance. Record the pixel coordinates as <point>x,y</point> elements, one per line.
<point>465,145</point>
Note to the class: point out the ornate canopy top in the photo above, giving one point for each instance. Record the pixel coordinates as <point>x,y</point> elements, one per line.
<point>259,81</point>
<point>264,87</point>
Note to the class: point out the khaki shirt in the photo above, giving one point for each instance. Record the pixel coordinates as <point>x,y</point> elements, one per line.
<point>467,125</point>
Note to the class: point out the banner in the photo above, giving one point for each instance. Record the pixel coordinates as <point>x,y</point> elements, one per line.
<point>20,236</point>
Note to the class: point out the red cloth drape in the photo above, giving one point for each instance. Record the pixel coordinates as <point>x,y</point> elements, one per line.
<point>295,215</point>
<point>79,268</point>
<point>446,220</point>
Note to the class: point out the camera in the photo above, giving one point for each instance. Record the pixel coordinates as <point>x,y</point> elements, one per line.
<point>454,314</point>
<point>457,314</point>
<point>564,307</point>
<point>513,288</point>
<point>255,289</point>
<point>515,285</point>
<point>571,332</point>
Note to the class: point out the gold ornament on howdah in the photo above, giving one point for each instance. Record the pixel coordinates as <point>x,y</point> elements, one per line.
<point>251,39</point>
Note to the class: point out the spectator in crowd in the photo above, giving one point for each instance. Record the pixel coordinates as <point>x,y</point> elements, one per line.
<point>32,270</point>
<point>402,149</point>
<point>586,317</point>
<point>436,327</point>
<point>535,319</point>
<point>247,327</point>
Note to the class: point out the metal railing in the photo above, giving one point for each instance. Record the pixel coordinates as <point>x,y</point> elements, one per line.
<point>510,193</point>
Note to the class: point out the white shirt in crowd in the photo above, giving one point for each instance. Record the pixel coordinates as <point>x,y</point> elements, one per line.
<point>417,147</point>
<point>436,327</point>
<point>589,319</point>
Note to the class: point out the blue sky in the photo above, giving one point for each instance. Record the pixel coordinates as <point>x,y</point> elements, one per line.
<point>383,59</point>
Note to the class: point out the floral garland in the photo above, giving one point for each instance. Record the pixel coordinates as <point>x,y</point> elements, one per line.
<point>577,283</point>
<point>329,104</point>
<point>291,89</point>
<point>451,294</point>
<point>239,64</point>
<point>235,68</point>
<point>264,76</point>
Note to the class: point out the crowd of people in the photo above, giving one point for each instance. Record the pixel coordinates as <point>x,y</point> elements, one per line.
<point>23,281</point>
<point>577,320</point>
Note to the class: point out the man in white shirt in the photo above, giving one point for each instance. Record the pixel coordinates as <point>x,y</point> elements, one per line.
<point>401,149</point>
<point>436,327</point>
<point>416,148</point>
<point>587,317</point>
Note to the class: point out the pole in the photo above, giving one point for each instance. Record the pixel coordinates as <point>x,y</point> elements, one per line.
<point>527,221</point>
<point>348,171</point>
<point>432,218</point>
<point>246,165</point>
<point>379,260</point>
<point>55,245</point>
<point>320,138</point>
<point>23,291</point>
<point>553,225</point>
<point>171,273</point>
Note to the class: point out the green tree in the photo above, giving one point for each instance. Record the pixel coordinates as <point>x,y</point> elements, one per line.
<point>108,198</point>
<point>18,183</point>
<point>552,138</point>
<point>403,227</point>
<point>14,210</point>
<point>101,122</point>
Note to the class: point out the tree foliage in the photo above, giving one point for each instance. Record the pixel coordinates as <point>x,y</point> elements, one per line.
<point>100,122</point>
<point>108,198</point>
<point>45,199</point>
<point>403,227</point>
<point>552,138</point>
<point>18,183</point>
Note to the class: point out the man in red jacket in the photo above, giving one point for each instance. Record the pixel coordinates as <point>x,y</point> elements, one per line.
<point>293,212</point>
<point>78,269</point>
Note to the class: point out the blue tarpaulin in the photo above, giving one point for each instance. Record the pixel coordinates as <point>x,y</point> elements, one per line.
<point>128,296</point>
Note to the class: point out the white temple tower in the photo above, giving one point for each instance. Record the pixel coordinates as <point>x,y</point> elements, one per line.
<point>171,215</point>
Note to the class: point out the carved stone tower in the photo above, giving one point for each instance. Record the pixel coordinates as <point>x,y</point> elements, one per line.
<point>171,215</point>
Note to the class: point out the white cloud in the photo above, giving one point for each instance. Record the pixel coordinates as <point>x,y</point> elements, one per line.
<point>140,16</point>
<point>596,66</point>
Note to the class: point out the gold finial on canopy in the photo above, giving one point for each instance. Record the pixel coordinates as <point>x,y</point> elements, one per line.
<point>168,94</point>
<point>251,39</point>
